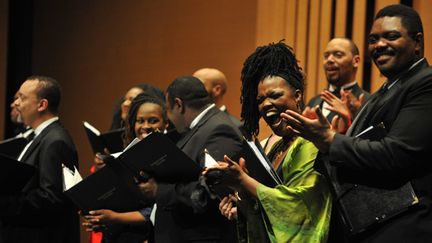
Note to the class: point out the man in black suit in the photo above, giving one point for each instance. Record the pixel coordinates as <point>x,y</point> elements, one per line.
<point>40,212</point>
<point>185,212</point>
<point>216,85</point>
<point>400,154</point>
<point>341,60</point>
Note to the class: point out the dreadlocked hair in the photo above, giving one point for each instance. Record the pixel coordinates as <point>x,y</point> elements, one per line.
<point>269,60</point>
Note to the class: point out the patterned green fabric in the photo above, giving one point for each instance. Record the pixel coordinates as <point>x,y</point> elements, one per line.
<point>299,210</point>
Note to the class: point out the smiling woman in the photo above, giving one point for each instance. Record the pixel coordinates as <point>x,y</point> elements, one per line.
<point>299,209</point>
<point>146,114</point>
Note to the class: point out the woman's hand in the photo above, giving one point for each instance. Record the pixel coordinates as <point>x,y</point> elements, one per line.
<point>98,161</point>
<point>232,172</point>
<point>97,220</point>
<point>312,125</point>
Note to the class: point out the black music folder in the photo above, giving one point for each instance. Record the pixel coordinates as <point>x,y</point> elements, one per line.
<point>14,175</point>
<point>110,187</point>
<point>115,185</point>
<point>258,165</point>
<point>362,205</point>
<point>159,157</point>
<point>112,140</point>
<point>12,147</point>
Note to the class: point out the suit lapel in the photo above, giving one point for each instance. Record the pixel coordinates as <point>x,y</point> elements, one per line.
<point>37,141</point>
<point>358,120</point>
<point>182,142</point>
<point>381,100</point>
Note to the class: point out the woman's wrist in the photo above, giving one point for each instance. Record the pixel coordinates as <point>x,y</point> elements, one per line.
<point>248,183</point>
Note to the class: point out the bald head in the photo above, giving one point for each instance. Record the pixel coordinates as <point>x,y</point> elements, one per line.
<point>215,83</point>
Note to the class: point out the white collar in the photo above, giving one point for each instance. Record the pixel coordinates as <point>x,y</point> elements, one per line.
<point>200,116</point>
<point>223,108</point>
<point>343,87</point>
<point>44,124</point>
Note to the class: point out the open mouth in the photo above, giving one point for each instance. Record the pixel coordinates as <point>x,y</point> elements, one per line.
<point>331,70</point>
<point>273,118</point>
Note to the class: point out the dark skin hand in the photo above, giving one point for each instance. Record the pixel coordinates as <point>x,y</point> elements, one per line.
<point>342,121</point>
<point>351,100</point>
<point>149,187</point>
<point>312,125</point>
<point>228,208</point>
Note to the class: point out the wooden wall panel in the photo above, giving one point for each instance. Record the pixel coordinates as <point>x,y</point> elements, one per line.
<point>424,9</point>
<point>301,40</point>
<point>270,21</point>
<point>340,18</point>
<point>359,35</point>
<point>325,36</point>
<point>290,22</point>
<point>312,49</point>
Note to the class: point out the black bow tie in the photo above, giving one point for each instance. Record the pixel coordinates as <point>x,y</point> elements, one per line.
<point>336,92</point>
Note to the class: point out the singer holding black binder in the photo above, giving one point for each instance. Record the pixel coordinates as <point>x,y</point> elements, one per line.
<point>297,210</point>
<point>397,158</point>
<point>146,114</point>
<point>41,213</point>
<point>185,211</point>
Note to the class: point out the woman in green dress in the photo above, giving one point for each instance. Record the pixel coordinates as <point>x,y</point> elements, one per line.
<point>299,209</point>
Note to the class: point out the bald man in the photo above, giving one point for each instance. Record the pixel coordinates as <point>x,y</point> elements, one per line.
<point>215,83</point>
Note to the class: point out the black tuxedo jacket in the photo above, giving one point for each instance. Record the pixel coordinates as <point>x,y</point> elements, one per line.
<point>402,155</point>
<point>41,212</point>
<point>235,120</point>
<point>180,217</point>
<point>356,91</point>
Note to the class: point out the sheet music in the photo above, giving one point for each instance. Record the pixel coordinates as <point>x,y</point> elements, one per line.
<point>130,145</point>
<point>262,159</point>
<point>70,177</point>
<point>209,161</point>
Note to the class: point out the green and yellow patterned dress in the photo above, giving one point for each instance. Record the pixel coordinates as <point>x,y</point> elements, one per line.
<point>299,209</point>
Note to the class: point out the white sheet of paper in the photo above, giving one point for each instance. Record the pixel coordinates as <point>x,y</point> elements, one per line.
<point>70,178</point>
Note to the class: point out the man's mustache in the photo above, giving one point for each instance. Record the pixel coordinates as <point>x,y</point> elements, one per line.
<point>378,52</point>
